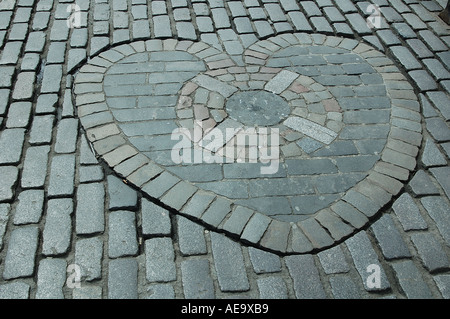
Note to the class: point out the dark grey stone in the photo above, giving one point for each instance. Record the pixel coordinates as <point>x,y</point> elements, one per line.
<point>411,281</point>
<point>198,172</point>
<point>155,220</point>
<point>389,238</point>
<point>46,103</point>
<point>198,204</point>
<point>318,236</point>
<point>405,58</point>
<point>51,81</point>
<point>343,287</point>
<point>220,17</point>
<point>121,196</point>
<point>263,261</point>
<point>160,260</point>
<point>349,214</point>
<point>263,28</point>
<point>333,261</point>
<point>438,209</point>
<point>310,8</point>
<point>441,101</point>
<point>217,211</point>
<point>423,80</point>
<point>310,204</point>
<point>19,114</point>
<point>432,156</point>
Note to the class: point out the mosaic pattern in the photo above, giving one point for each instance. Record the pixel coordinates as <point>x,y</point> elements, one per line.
<point>342,148</point>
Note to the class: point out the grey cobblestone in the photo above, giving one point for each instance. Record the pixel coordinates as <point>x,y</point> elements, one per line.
<point>58,227</point>
<point>391,243</point>
<point>88,256</point>
<point>411,280</point>
<point>306,277</point>
<point>122,234</point>
<point>29,208</point>
<point>160,260</point>
<point>12,140</point>
<point>90,209</point>
<point>197,281</point>
<point>51,278</point>
<point>9,174</point>
<point>122,279</point>
<point>21,255</point>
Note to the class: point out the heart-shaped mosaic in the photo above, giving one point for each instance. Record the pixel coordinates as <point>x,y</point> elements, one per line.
<point>292,147</point>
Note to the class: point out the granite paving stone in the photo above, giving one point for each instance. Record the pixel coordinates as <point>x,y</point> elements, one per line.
<point>197,281</point>
<point>123,236</point>
<point>408,213</point>
<point>307,284</point>
<point>90,217</point>
<point>88,256</point>
<point>229,264</point>
<point>34,171</point>
<point>272,287</point>
<point>155,220</point>
<point>21,255</point>
<point>58,227</point>
<point>51,277</point>
<point>29,208</point>
<point>411,280</point>
<point>62,174</point>
<point>389,238</point>
<point>430,252</point>
<point>160,260</point>
<point>363,255</point>
<point>12,139</point>
<point>437,208</point>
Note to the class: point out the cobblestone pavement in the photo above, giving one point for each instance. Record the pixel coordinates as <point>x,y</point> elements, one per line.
<point>93,205</point>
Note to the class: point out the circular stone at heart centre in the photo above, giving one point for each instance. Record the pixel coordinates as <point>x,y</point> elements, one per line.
<point>257,108</point>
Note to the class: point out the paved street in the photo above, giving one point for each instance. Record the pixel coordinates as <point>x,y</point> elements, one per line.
<point>189,149</point>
